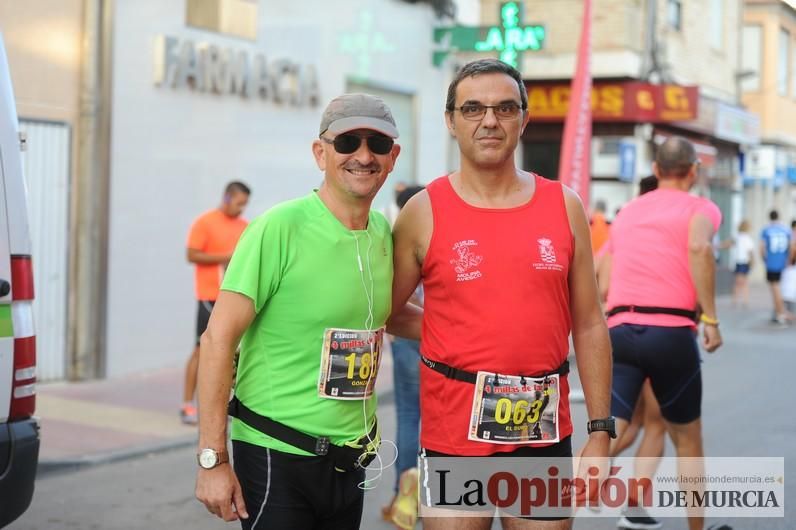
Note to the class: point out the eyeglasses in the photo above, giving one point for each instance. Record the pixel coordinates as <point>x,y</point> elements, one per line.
<point>477,111</point>
<point>348,143</point>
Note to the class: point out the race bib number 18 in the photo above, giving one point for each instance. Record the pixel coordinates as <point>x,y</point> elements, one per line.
<point>350,362</point>
<point>511,409</point>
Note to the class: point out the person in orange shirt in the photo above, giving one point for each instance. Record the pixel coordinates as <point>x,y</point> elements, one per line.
<point>211,241</point>
<point>599,227</point>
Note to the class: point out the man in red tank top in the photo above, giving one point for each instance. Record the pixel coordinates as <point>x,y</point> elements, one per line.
<point>506,263</point>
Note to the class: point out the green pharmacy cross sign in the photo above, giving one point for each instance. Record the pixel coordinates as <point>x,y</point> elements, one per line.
<point>509,39</point>
<point>364,43</point>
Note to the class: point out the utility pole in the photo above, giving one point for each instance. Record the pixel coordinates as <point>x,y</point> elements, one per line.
<point>651,63</point>
<point>89,261</point>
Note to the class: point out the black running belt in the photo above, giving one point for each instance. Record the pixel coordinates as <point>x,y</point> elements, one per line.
<point>318,446</point>
<point>688,313</point>
<point>470,377</point>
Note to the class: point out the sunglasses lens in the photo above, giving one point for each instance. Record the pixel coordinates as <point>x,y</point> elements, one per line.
<point>345,144</point>
<point>379,144</point>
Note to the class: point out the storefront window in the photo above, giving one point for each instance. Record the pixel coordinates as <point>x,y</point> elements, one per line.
<point>542,157</point>
<point>793,76</point>
<point>717,24</point>
<point>783,62</point>
<point>750,58</point>
<point>674,14</point>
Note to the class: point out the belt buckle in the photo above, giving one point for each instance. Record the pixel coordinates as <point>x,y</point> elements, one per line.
<point>322,446</point>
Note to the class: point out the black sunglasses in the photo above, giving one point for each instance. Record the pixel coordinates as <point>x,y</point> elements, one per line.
<point>348,143</point>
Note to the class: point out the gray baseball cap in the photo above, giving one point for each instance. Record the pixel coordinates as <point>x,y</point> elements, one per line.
<point>358,111</point>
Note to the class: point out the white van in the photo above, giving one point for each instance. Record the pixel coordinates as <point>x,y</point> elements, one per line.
<point>19,430</point>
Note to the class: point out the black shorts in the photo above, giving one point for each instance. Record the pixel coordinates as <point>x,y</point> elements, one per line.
<point>560,452</point>
<point>773,276</point>
<point>203,317</point>
<point>669,357</point>
<point>283,490</point>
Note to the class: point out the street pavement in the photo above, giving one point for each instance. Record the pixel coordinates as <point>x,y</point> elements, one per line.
<point>131,426</point>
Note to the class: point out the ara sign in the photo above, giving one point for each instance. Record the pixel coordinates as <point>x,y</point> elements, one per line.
<point>508,40</point>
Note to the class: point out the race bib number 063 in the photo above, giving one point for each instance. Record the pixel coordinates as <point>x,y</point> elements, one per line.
<point>350,362</point>
<point>509,409</point>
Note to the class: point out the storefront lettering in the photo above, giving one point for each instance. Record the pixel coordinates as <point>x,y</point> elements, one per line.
<point>554,101</point>
<point>675,97</point>
<point>623,101</point>
<point>181,63</point>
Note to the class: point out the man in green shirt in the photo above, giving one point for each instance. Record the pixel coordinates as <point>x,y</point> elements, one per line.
<point>309,290</point>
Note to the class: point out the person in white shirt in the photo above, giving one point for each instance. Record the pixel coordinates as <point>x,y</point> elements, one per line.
<point>788,287</point>
<point>744,255</point>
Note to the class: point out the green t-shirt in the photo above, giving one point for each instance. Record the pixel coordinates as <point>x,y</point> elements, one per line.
<point>299,265</point>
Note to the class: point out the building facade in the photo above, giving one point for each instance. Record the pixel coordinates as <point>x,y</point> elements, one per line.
<point>44,48</point>
<point>162,103</point>
<point>768,84</point>
<point>659,67</point>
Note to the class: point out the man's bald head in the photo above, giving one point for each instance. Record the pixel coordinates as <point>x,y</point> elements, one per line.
<point>675,157</point>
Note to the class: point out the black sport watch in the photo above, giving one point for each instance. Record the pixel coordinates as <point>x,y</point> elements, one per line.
<point>605,424</point>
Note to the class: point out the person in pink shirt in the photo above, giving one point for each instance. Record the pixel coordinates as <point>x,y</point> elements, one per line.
<point>661,270</point>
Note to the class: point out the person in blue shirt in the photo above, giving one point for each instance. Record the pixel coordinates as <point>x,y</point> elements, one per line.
<point>776,249</point>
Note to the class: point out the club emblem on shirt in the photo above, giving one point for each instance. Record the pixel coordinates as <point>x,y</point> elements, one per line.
<point>547,256</point>
<point>546,250</point>
<point>466,262</point>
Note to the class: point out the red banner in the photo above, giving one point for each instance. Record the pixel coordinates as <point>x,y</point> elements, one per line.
<point>627,101</point>
<point>574,167</point>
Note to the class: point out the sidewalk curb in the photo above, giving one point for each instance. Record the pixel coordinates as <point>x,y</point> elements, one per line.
<point>57,466</point>
<point>62,465</point>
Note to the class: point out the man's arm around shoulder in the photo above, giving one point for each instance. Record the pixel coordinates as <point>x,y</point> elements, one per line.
<point>411,227</point>
<point>218,488</point>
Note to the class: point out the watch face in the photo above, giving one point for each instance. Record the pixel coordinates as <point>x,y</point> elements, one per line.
<point>208,458</point>
<point>607,424</point>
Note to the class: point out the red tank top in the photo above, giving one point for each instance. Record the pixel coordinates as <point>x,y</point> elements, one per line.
<point>496,299</point>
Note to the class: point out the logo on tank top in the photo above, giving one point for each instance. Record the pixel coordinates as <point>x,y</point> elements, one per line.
<point>547,253</point>
<point>466,262</point>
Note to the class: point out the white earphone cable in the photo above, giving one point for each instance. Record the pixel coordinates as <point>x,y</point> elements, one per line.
<point>371,483</point>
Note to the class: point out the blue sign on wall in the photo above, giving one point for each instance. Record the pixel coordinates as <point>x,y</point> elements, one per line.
<point>779,177</point>
<point>627,161</point>
<point>745,177</point>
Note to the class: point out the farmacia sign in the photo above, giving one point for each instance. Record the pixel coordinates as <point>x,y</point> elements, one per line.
<point>204,67</point>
